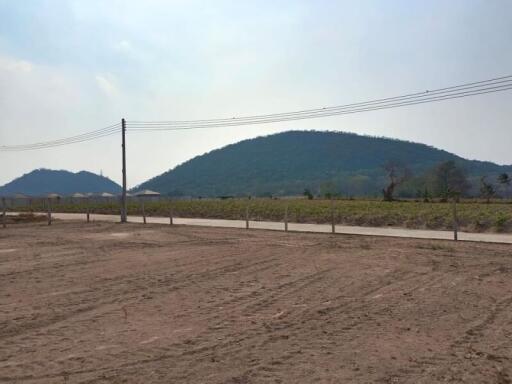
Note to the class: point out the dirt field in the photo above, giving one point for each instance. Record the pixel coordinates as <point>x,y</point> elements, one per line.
<point>110,303</point>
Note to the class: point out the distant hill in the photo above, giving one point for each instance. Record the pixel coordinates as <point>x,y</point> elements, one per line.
<point>43,181</point>
<point>287,163</point>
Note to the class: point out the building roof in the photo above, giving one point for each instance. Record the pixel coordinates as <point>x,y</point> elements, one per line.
<point>20,196</point>
<point>147,192</point>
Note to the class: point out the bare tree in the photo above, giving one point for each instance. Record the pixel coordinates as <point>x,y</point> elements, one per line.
<point>487,190</point>
<point>397,174</point>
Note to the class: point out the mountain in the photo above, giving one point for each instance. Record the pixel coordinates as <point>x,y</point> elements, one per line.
<point>43,181</point>
<point>287,163</point>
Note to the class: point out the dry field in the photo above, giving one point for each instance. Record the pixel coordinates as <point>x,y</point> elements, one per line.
<point>110,303</point>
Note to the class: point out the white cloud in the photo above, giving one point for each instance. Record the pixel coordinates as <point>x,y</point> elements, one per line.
<point>15,65</point>
<point>124,46</point>
<point>42,102</point>
<point>31,92</point>
<point>106,85</point>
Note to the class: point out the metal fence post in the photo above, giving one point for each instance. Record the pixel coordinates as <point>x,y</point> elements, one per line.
<point>333,225</point>
<point>88,209</point>
<point>143,212</point>
<point>49,211</point>
<point>455,220</point>
<point>286,217</point>
<point>247,216</point>
<point>4,218</point>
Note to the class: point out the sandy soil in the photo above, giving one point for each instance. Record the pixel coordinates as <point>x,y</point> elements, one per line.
<point>111,303</point>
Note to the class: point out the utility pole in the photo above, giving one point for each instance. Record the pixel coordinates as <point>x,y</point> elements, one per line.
<point>124,205</point>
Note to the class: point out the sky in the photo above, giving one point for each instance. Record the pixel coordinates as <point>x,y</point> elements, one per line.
<point>73,66</point>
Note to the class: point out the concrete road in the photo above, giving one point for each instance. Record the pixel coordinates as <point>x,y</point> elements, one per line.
<point>302,227</point>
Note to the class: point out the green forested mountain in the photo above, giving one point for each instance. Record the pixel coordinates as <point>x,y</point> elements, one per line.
<point>287,163</point>
<point>43,181</point>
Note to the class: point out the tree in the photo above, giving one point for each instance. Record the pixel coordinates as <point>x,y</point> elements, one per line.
<point>328,189</point>
<point>449,180</point>
<point>504,180</point>
<point>426,195</point>
<point>487,190</point>
<point>396,174</point>
<point>308,194</point>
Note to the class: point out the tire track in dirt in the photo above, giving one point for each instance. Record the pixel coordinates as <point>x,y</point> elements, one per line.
<point>112,288</point>
<point>186,280</point>
<point>230,346</point>
<point>260,334</point>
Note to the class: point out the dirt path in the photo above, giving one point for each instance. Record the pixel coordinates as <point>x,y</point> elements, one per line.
<point>304,227</point>
<point>110,303</point>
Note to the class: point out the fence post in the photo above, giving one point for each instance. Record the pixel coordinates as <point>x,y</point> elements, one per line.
<point>49,211</point>
<point>455,220</point>
<point>143,211</point>
<point>171,221</point>
<point>3,213</point>
<point>88,208</point>
<point>286,217</point>
<point>247,216</point>
<point>333,225</point>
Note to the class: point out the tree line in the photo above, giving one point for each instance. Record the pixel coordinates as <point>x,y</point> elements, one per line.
<point>444,181</point>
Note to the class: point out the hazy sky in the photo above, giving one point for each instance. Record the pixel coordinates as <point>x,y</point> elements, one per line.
<point>67,67</point>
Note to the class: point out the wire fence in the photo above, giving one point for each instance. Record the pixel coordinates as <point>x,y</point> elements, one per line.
<point>468,215</point>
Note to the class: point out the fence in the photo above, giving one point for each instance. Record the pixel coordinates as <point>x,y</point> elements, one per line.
<point>470,215</point>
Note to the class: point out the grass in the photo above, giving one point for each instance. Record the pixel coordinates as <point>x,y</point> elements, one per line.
<point>474,216</point>
<point>436,247</point>
<point>25,218</point>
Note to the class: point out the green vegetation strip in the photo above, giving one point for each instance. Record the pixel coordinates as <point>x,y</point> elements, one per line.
<point>473,216</point>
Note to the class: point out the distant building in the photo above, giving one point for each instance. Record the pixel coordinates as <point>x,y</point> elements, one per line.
<point>147,194</point>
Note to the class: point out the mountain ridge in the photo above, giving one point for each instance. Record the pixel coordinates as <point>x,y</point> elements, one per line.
<point>42,181</point>
<point>291,161</point>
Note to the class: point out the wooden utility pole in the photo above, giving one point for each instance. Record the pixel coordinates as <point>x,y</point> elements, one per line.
<point>124,205</point>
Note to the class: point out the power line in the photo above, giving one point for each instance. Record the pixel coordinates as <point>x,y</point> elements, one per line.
<point>497,84</point>
<point>99,133</point>
<point>328,111</point>
<point>503,81</point>
<point>162,126</point>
